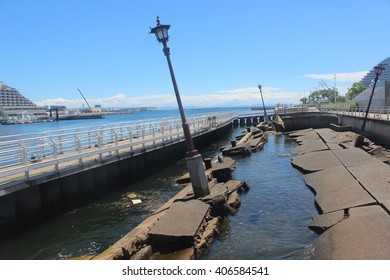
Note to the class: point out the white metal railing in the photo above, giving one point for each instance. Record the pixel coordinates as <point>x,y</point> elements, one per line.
<point>376,112</point>
<point>23,153</point>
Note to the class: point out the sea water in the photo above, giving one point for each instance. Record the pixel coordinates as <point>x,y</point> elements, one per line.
<point>271,223</point>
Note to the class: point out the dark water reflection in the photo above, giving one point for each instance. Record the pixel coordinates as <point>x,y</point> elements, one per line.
<point>270,224</point>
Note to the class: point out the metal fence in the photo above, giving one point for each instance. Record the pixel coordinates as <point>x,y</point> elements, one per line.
<point>27,152</point>
<point>376,112</point>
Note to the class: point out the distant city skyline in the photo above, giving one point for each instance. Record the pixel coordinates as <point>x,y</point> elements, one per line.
<point>220,50</point>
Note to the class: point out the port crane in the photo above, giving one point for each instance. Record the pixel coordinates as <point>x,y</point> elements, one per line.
<point>89,107</point>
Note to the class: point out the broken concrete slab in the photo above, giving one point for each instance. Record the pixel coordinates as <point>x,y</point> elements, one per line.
<point>329,136</point>
<point>334,146</point>
<point>239,149</point>
<point>355,157</point>
<point>375,178</point>
<point>307,137</point>
<point>323,130</point>
<point>336,189</point>
<point>310,146</point>
<point>315,161</point>
<point>254,142</point>
<point>177,228</point>
<point>322,222</point>
<point>299,132</point>
<point>386,205</point>
<point>234,185</point>
<point>364,235</point>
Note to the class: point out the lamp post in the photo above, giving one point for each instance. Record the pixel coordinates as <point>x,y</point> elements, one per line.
<point>360,138</point>
<point>193,158</point>
<point>265,112</point>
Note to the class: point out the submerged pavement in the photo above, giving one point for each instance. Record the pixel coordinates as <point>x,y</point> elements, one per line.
<point>352,189</point>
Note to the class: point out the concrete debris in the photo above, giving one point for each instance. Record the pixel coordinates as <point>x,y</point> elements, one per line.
<point>185,226</point>
<point>136,201</point>
<point>251,140</point>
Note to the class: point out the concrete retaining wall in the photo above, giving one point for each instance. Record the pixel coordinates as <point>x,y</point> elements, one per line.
<point>31,203</point>
<point>296,121</point>
<point>376,129</point>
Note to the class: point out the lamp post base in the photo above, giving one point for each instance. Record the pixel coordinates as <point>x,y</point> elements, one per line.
<point>359,141</point>
<point>197,175</point>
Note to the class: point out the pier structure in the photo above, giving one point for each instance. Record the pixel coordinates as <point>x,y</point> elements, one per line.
<point>250,119</point>
<point>43,175</point>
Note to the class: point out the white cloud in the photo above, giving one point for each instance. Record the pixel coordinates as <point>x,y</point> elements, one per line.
<point>248,96</point>
<point>340,77</point>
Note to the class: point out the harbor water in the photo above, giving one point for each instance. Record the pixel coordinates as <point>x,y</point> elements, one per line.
<point>272,222</point>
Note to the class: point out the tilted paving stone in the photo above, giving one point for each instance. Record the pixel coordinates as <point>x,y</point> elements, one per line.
<point>364,234</point>
<point>376,179</point>
<point>299,132</point>
<point>336,189</point>
<point>355,157</point>
<point>324,221</point>
<point>316,161</point>
<point>310,146</point>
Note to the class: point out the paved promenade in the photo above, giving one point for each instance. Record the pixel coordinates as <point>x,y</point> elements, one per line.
<point>352,189</point>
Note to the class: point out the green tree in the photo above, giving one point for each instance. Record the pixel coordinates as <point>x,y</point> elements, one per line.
<point>355,90</point>
<point>304,100</point>
<point>324,94</point>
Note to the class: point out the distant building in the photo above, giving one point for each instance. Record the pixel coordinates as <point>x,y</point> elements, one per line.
<point>382,90</point>
<point>13,103</point>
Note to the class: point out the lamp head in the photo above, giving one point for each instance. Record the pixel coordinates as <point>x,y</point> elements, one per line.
<point>379,69</point>
<point>161,31</point>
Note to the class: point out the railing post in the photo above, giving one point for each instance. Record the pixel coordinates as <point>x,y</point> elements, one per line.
<point>100,143</point>
<point>24,158</point>
<point>116,142</point>
<point>55,153</point>
<point>130,138</point>
<point>170,131</point>
<point>143,136</point>
<point>89,139</point>
<point>60,141</point>
<point>154,139</point>
<point>78,148</point>
<point>42,145</point>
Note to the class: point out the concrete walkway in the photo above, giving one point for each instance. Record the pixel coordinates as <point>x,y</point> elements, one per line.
<point>352,190</point>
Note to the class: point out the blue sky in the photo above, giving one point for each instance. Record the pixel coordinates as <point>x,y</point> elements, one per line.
<point>221,50</point>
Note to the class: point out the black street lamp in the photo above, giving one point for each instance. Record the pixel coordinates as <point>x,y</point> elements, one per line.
<point>265,112</point>
<point>360,138</point>
<point>193,158</point>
